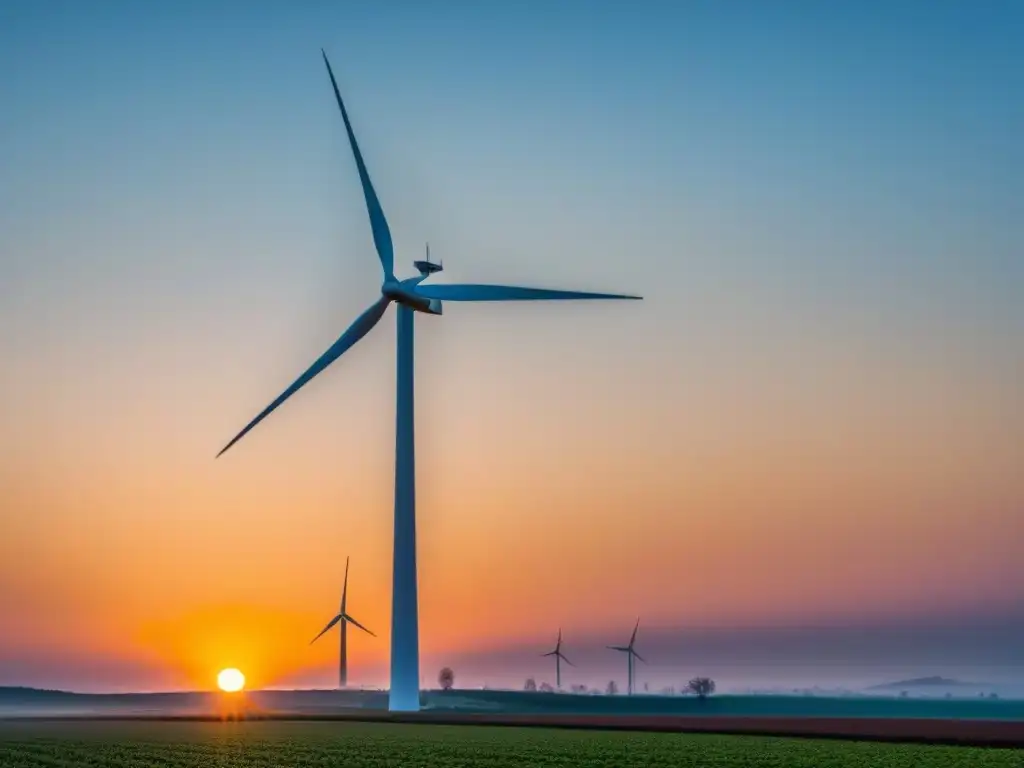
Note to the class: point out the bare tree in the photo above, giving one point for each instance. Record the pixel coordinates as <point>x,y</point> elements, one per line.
<point>612,688</point>
<point>579,688</point>
<point>531,684</point>
<point>446,678</point>
<point>546,688</point>
<point>702,686</point>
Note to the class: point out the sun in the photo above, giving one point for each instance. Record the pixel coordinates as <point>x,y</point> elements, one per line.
<point>230,680</point>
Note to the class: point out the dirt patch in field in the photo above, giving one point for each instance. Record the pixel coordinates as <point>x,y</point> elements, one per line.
<point>929,731</point>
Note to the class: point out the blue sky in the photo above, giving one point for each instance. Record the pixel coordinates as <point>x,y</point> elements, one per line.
<point>822,205</point>
<point>626,133</point>
<point>832,154</point>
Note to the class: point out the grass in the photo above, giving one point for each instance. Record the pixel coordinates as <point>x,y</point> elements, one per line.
<point>374,745</point>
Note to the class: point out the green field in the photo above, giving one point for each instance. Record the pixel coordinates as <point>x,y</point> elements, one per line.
<point>322,745</point>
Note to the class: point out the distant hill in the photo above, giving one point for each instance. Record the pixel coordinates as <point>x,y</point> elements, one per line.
<point>934,681</point>
<point>21,693</point>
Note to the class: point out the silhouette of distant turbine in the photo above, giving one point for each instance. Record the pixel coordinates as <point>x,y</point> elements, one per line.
<point>411,296</point>
<point>344,619</point>
<point>630,655</point>
<point>559,658</point>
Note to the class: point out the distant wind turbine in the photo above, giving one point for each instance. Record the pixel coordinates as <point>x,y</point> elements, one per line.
<point>344,619</point>
<point>559,658</point>
<point>411,295</point>
<point>630,655</point>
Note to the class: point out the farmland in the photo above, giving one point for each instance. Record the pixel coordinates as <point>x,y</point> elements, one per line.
<point>29,744</point>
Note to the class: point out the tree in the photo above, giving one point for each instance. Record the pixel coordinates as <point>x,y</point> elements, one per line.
<point>702,686</point>
<point>446,679</point>
<point>546,688</point>
<point>579,688</point>
<point>531,684</point>
<point>612,688</point>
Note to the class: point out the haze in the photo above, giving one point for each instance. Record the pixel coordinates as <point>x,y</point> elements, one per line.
<point>814,418</point>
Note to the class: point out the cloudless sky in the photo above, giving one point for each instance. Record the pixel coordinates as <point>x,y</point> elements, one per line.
<point>815,416</point>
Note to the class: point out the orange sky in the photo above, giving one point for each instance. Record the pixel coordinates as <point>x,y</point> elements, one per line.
<point>787,496</point>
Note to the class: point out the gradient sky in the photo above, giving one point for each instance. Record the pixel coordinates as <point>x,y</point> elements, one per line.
<point>815,417</point>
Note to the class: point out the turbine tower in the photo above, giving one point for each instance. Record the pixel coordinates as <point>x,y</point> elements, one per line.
<point>559,658</point>
<point>411,296</point>
<point>344,620</point>
<point>630,655</point>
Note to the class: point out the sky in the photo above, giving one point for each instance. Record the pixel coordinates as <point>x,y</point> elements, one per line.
<point>814,419</point>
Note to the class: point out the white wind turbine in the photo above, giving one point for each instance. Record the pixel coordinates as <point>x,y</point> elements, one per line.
<point>344,619</point>
<point>559,658</point>
<point>630,655</point>
<point>411,295</point>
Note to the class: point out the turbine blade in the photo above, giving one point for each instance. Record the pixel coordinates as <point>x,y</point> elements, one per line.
<point>475,292</point>
<point>333,621</point>
<point>553,653</point>
<point>379,224</point>
<point>632,639</point>
<point>638,656</point>
<point>344,588</point>
<point>618,648</point>
<point>350,620</point>
<point>355,332</point>
<point>562,656</point>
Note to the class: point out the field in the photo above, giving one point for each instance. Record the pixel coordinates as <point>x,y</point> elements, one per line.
<point>364,745</point>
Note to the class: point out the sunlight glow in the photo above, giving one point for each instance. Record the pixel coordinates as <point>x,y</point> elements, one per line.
<point>230,680</point>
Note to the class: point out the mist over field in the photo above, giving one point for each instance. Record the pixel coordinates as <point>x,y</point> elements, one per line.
<point>971,649</point>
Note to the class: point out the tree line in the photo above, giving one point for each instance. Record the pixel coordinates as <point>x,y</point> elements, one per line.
<point>702,687</point>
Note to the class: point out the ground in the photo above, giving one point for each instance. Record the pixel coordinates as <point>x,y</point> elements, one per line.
<point>365,745</point>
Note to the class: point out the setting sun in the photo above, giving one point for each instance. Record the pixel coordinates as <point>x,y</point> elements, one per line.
<point>230,680</point>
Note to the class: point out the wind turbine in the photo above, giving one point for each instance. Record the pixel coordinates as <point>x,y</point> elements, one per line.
<point>559,658</point>
<point>630,655</point>
<point>344,619</point>
<point>411,296</point>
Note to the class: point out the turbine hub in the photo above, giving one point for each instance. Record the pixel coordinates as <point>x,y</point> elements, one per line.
<point>392,290</point>
<point>405,294</point>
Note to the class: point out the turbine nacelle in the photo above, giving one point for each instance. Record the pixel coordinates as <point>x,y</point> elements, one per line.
<point>426,267</point>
